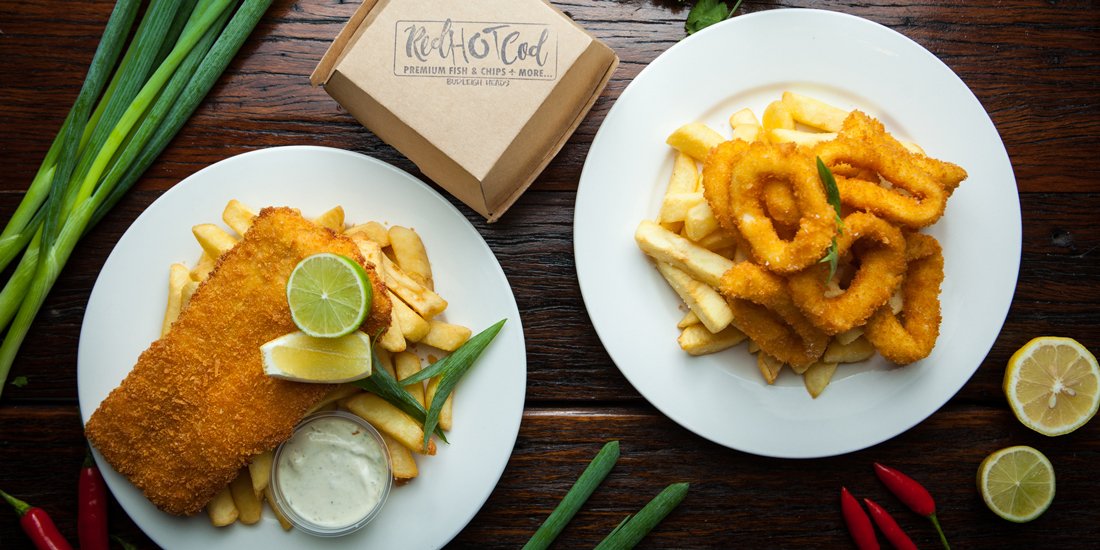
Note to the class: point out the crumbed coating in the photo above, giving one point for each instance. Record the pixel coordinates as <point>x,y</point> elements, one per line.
<point>198,406</point>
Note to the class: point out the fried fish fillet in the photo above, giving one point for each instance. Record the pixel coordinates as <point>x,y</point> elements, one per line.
<point>198,406</point>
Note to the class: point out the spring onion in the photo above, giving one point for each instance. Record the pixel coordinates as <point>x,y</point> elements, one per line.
<point>595,473</point>
<point>633,529</point>
<point>451,369</point>
<point>178,52</point>
<point>382,384</point>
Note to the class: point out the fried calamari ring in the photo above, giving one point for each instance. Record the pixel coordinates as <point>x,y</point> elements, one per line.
<point>763,310</point>
<point>879,249</point>
<point>864,144</point>
<point>912,339</point>
<point>734,179</point>
<point>782,208</point>
<point>716,180</point>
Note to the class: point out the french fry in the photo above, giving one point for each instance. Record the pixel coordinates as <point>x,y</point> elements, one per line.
<point>769,367</point>
<point>373,231</point>
<point>238,216</point>
<point>413,326</point>
<point>685,175</point>
<point>744,117</point>
<point>798,137</point>
<point>401,458</point>
<point>813,112</point>
<point>178,276</point>
<point>393,339</point>
<point>675,206</point>
<point>410,255</point>
<point>221,509</point>
<point>247,502</point>
<point>445,413</point>
<point>333,219</point>
<point>700,221</point>
<point>695,139</point>
<point>697,340</point>
<point>407,364</point>
<point>385,362</point>
<point>390,420</point>
<point>746,126</point>
<point>752,346</point>
<point>689,318</point>
<point>776,116</point>
<point>445,336</point>
<point>279,515</point>
<point>420,298</point>
<point>717,240</point>
<point>852,352</point>
<point>213,239</point>
<point>186,292</point>
<point>203,267</point>
<point>848,336</point>
<point>817,376</point>
<point>665,246</point>
<point>704,301</point>
<point>259,471</point>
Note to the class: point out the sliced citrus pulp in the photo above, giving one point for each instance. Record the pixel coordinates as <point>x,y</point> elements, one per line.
<point>304,358</point>
<point>1017,483</point>
<point>1053,385</point>
<point>329,295</point>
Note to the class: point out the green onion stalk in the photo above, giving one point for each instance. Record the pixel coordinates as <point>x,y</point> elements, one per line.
<point>97,156</point>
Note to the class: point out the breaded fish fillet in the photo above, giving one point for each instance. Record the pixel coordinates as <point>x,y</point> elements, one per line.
<point>198,406</point>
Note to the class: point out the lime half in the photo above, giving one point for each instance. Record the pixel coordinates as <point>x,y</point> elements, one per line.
<point>1017,483</point>
<point>304,358</point>
<point>329,295</point>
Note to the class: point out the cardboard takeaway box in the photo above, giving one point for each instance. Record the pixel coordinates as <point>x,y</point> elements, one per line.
<point>480,94</point>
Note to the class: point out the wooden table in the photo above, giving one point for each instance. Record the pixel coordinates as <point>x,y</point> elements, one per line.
<point>1035,66</point>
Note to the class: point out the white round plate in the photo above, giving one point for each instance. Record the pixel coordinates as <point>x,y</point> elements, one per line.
<point>749,61</point>
<point>127,305</point>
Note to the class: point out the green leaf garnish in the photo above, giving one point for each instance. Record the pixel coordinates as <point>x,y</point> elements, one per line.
<point>832,192</point>
<point>383,385</point>
<point>595,473</point>
<point>19,381</point>
<point>450,370</point>
<point>706,13</point>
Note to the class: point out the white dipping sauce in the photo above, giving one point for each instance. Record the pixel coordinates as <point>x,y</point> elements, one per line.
<point>332,473</point>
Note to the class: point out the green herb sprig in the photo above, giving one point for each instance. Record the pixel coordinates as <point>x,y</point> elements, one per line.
<point>451,369</point>
<point>833,194</point>
<point>706,13</point>
<point>634,528</point>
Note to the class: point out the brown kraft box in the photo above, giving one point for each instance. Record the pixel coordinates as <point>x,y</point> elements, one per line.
<point>480,94</point>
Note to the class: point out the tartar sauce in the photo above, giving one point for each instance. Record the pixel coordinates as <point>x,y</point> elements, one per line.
<point>333,472</point>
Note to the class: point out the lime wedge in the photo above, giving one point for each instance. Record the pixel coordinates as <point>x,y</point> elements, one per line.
<point>329,295</point>
<point>304,358</point>
<point>1017,483</point>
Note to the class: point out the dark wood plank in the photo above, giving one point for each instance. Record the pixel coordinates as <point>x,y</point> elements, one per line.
<point>735,500</point>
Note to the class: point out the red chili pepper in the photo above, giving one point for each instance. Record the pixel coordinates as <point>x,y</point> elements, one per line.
<point>859,525</point>
<point>91,519</point>
<point>913,494</point>
<point>889,527</point>
<point>38,525</point>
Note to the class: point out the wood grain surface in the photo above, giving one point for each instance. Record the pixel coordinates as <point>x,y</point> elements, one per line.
<point>1035,67</point>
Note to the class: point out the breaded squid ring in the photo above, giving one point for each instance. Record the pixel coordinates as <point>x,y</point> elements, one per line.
<point>763,310</point>
<point>748,176</point>
<point>863,143</point>
<point>912,339</point>
<point>716,180</point>
<point>881,255</point>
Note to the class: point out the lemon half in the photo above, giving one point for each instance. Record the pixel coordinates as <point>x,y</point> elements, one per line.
<point>1053,385</point>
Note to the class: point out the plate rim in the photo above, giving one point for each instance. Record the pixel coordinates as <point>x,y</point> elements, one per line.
<point>588,288</point>
<point>507,297</point>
